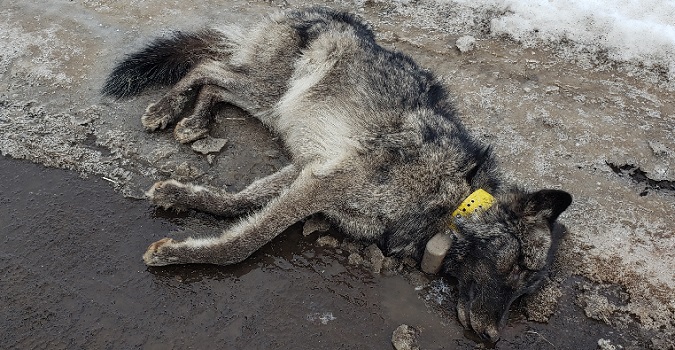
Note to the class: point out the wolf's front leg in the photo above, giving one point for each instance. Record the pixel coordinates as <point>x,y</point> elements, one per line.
<point>304,197</point>
<point>173,194</point>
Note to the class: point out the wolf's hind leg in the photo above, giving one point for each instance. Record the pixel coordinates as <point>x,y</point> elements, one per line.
<point>305,196</point>
<point>168,109</point>
<point>196,125</point>
<point>173,104</point>
<point>173,194</point>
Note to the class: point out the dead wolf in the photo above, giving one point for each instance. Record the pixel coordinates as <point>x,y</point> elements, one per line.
<point>376,147</point>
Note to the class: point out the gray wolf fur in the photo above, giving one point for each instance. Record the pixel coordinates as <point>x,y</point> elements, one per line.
<point>376,147</point>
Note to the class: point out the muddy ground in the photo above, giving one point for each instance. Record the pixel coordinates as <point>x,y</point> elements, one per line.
<point>72,239</point>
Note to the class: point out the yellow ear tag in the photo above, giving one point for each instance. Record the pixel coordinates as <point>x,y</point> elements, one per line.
<point>478,200</point>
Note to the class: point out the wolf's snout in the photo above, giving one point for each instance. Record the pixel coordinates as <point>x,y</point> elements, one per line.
<point>489,335</point>
<point>485,329</point>
<point>485,318</point>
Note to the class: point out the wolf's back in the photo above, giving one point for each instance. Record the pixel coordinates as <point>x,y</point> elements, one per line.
<point>162,62</point>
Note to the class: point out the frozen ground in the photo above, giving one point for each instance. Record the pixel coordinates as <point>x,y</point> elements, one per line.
<point>598,121</point>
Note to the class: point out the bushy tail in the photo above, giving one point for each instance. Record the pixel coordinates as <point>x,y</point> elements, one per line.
<point>162,62</point>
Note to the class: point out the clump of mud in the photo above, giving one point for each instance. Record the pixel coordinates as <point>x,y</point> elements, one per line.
<point>614,294</point>
<point>541,305</point>
<point>612,305</point>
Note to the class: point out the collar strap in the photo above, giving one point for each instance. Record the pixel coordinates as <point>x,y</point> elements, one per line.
<point>438,246</point>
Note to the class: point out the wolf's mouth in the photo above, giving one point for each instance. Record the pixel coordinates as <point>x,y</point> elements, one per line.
<point>479,325</point>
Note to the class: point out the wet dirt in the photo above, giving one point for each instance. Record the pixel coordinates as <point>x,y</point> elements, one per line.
<point>73,277</point>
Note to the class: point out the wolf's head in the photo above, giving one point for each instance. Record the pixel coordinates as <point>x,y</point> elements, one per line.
<point>501,254</point>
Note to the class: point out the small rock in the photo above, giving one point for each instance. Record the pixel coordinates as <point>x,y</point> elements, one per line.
<point>355,259</point>
<point>327,241</point>
<point>79,119</point>
<point>375,258</point>
<point>315,224</point>
<point>208,145</point>
<point>465,43</point>
<point>390,266</point>
<point>552,89</point>
<point>187,171</point>
<point>210,158</point>
<point>658,148</point>
<point>596,306</point>
<point>405,338</point>
<point>604,344</point>
<point>418,279</point>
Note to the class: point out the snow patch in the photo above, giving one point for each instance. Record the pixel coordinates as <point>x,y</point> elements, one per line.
<point>640,32</point>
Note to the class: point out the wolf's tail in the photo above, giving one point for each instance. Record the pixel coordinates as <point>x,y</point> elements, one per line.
<point>162,62</point>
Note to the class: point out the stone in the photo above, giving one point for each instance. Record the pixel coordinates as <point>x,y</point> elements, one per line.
<point>390,266</point>
<point>327,241</point>
<point>374,257</point>
<point>604,344</point>
<point>465,43</point>
<point>405,338</point>
<point>187,171</point>
<point>658,148</point>
<point>209,145</point>
<point>355,259</point>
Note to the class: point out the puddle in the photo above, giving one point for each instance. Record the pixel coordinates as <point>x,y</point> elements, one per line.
<point>73,278</point>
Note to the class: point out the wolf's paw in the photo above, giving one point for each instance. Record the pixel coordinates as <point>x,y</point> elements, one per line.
<point>185,134</point>
<point>190,129</point>
<point>160,253</point>
<point>168,194</point>
<point>156,117</point>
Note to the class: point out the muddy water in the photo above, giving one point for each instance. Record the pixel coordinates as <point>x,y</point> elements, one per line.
<point>72,278</point>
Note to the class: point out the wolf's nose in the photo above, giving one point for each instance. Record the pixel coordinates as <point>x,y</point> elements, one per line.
<point>490,335</point>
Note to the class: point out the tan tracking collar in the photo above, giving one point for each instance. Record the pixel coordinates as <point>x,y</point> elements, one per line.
<point>438,246</point>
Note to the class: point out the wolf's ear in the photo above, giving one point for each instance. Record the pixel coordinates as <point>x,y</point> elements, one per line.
<point>547,203</point>
<point>536,240</point>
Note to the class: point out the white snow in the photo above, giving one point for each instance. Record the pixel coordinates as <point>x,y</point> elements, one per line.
<point>634,31</point>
